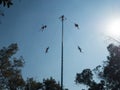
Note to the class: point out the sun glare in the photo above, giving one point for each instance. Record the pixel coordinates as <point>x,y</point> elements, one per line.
<point>113,27</point>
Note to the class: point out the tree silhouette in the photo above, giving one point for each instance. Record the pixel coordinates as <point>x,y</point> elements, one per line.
<point>32,84</point>
<point>6,3</point>
<point>108,73</point>
<point>10,68</point>
<point>85,77</point>
<point>47,84</point>
<point>51,84</point>
<point>11,77</point>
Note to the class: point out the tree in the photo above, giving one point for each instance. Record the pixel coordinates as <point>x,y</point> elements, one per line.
<point>11,77</point>
<point>5,3</point>
<point>51,84</point>
<point>47,84</point>
<point>10,68</point>
<point>32,84</point>
<point>108,73</point>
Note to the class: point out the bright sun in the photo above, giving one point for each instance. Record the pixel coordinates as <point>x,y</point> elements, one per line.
<point>113,27</point>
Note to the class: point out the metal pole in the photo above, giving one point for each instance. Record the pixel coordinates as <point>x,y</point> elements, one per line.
<point>62,19</point>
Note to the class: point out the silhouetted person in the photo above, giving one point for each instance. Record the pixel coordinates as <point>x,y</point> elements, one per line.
<point>43,27</point>
<point>46,51</point>
<point>79,49</point>
<point>76,25</point>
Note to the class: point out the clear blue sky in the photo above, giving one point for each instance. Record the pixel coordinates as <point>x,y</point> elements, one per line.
<point>22,22</point>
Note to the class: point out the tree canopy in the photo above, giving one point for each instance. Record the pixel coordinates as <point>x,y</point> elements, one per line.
<point>108,73</point>
<point>10,68</point>
<point>11,77</point>
<point>6,3</point>
<point>46,84</point>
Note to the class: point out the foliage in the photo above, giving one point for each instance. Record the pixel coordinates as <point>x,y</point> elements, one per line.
<point>51,84</point>
<point>6,3</point>
<point>11,77</point>
<point>47,84</point>
<point>32,84</point>
<point>10,68</point>
<point>108,73</point>
<point>84,77</point>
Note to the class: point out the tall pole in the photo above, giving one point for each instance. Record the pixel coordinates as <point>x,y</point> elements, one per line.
<point>62,19</point>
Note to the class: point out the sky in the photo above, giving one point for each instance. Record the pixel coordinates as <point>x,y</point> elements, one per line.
<point>22,22</point>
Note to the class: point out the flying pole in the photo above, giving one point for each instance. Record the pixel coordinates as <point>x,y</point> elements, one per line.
<point>62,19</point>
